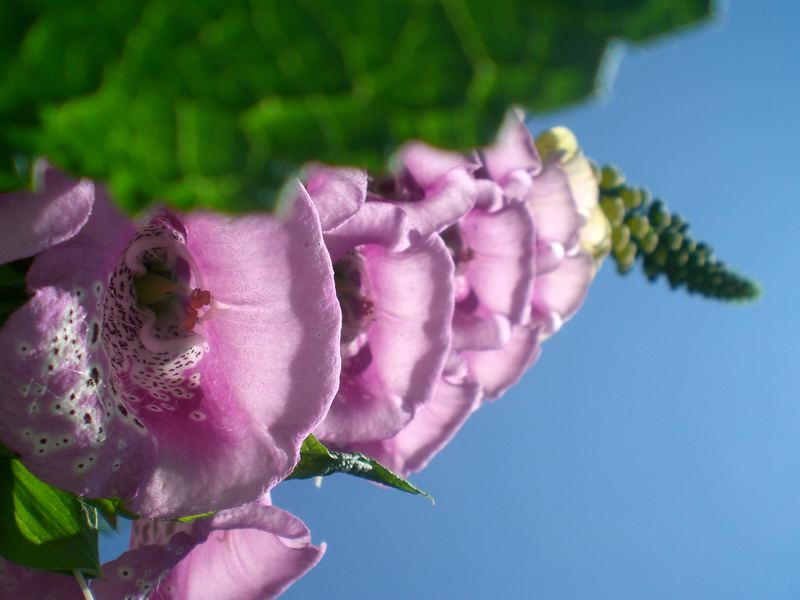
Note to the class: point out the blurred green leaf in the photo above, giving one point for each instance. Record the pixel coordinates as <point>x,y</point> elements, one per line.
<point>214,103</point>
<point>12,287</point>
<point>317,461</point>
<point>43,527</point>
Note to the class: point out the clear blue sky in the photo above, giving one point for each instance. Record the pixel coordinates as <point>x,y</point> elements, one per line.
<point>653,452</point>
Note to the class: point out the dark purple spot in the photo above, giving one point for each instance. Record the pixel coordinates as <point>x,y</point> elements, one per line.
<point>87,418</point>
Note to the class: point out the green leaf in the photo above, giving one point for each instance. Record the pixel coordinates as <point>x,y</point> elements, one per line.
<point>43,527</point>
<point>317,461</point>
<point>216,102</point>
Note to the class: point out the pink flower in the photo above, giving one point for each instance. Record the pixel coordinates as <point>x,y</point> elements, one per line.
<point>493,250</point>
<point>253,552</point>
<point>177,365</point>
<point>520,273</point>
<point>563,271</point>
<point>396,293</point>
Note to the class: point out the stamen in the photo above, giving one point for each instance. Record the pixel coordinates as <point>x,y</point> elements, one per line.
<point>191,319</point>
<point>199,298</point>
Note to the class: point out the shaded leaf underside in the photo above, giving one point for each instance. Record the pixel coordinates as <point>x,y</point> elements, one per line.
<point>215,103</point>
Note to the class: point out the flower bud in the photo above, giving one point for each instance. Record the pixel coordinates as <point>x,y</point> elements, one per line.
<point>639,225</point>
<point>620,236</point>
<point>611,178</point>
<point>614,209</point>
<point>659,216</point>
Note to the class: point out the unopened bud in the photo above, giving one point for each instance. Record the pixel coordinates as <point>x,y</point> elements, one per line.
<point>639,225</point>
<point>620,236</point>
<point>631,197</point>
<point>611,178</point>
<point>614,209</point>
<point>649,242</point>
<point>659,217</point>
<point>672,239</point>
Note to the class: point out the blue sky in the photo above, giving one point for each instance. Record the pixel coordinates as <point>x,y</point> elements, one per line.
<point>654,450</point>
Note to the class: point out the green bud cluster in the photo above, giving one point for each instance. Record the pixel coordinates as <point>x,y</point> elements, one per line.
<point>643,228</point>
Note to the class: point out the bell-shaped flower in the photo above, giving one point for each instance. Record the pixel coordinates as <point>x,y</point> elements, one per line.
<point>395,290</point>
<point>520,272</point>
<point>177,365</point>
<point>493,250</point>
<point>253,552</point>
<point>559,193</point>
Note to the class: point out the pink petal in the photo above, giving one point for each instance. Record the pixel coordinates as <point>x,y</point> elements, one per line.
<point>552,204</point>
<point>548,256</point>
<point>408,342</point>
<point>501,269</point>
<point>444,204</point>
<point>55,410</point>
<point>251,553</point>
<point>560,293</point>
<point>429,165</point>
<point>474,332</point>
<point>439,186</point>
<point>22,582</point>
<point>433,426</point>
<point>271,369</point>
<point>85,261</point>
<point>142,572</point>
<point>376,223</point>
<point>489,195</point>
<point>135,574</point>
<point>513,151</point>
<point>33,221</point>
<point>498,370</point>
<point>337,193</point>
<point>582,181</point>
